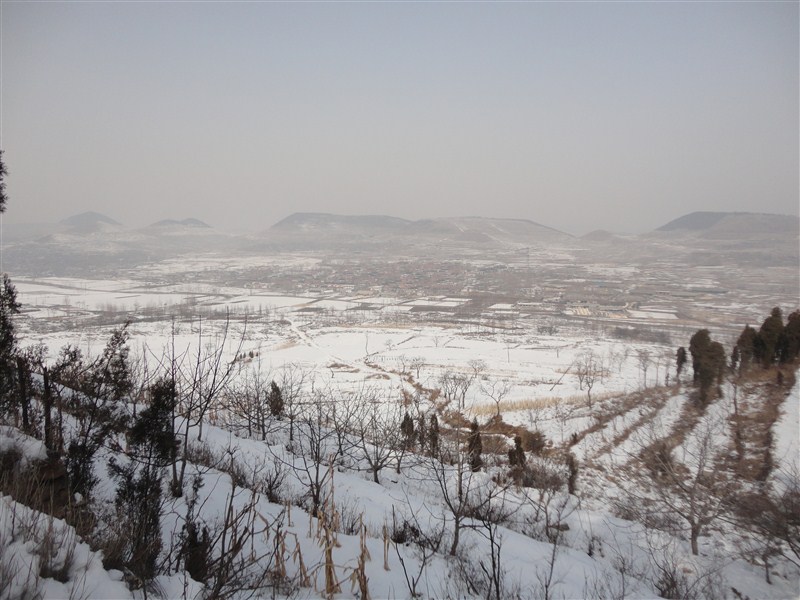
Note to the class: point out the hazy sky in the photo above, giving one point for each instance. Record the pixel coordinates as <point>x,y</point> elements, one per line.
<point>576,115</point>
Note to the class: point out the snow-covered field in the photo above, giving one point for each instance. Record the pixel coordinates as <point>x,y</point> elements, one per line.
<point>280,332</point>
<point>602,399</point>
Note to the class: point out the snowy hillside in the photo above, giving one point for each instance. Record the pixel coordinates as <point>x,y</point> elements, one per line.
<point>342,489</point>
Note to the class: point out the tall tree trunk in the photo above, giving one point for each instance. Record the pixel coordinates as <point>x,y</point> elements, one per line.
<point>456,532</point>
<point>22,381</point>
<point>695,533</point>
<point>48,403</point>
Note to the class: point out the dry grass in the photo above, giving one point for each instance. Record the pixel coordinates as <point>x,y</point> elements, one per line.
<point>760,405</point>
<point>538,403</point>
<point>495,444</point>
<point>656,403</point>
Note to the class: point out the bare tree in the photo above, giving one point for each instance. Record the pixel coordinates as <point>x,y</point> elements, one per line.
<point>643,360</point>
<point>404,364</point>
<point>587,371</point>
<point>416,364</point>
<point>477,368</point>
<point>454,479</point>
<point>199,382</point>
<point>293,380</point>
<point>770,514</point>
<point>233,568</point>
<point>97,390</point>
<point>550,509</point>
<point>448,383</point>
<point>314,448</point>
<point>489,514</point>
<point>247,404</point>
<point>211,373</point>
<point>342,412</point>
<point>377,432</point>
<point>497,390</point>
<point>688,486</point>
<point>424,541</point>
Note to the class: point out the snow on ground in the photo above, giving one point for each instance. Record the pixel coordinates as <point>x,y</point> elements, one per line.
<point>369,356</point>
<point>786,431</point>
<point>29,449</point>
<point>651,314</point>
<point>536,366</point>
<point>638,428</point>
<point>709,438</point>
<point>32,543</point>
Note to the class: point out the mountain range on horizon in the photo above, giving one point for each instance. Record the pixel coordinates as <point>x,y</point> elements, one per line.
<point>92,241</point>
<point>475,226</point>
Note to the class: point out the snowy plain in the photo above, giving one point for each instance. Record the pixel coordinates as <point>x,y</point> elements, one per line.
<point>350,345</point>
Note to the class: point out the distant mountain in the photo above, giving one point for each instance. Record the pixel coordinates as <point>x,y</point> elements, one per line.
<point>600,235</point>
<point>725,238</point>
<point>182,223</point>
<point>321,229</point>
<point>90,242</point>
<point>89,222</point>
<point>694,221</point>
<point>732,224</point>
<point>517,231</point>
<point>331,222</point>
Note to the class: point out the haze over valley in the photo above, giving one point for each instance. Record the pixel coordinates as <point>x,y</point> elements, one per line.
<point>400,300</point>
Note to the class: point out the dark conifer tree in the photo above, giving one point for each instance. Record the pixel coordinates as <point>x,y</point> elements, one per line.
<point>407,429</point>
<point>769,336</point>
<point>103,383</point>
<point>708,362</point>
<point>516,456</point>
<point>790,348</point>
<point>433,436</point>
<point>735,358</point>
<point>422,433</point>
<point>8,308</point>
<point>746,345</point>
<point>138,499</point>
<point>3,173</point>
<point>717,361</point>
<point>680,360</point>
<point>275,400</point>
<point>572,466</point>
<point>8,342</point>
<point>698,348</point>
<point>475,447</point>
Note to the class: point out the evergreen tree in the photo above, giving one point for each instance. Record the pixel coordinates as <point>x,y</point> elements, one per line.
<point>275,400</point>
<point>138,498</point>
<point>516,456</point>
<point>8,308</point>
<point>8,342</point>
<point>746,345</point>
<point>112,375</point>
<point>698,348</point>
<point>680,360</point>
<point>3,173</point>
<point>708,362</point>
<point>769,336</point>
<point>433,436</point>
<point>735,358</point>
<point>572,466</point>
<point>475,447</point>
<point>104,383</point>
<point>151,434</point>
<point>422,433</point>
<point>407,429</point>
<point>717,361</point>
<point>790,348</point>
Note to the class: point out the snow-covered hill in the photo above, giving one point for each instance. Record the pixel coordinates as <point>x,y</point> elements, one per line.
<point>293,506</point>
